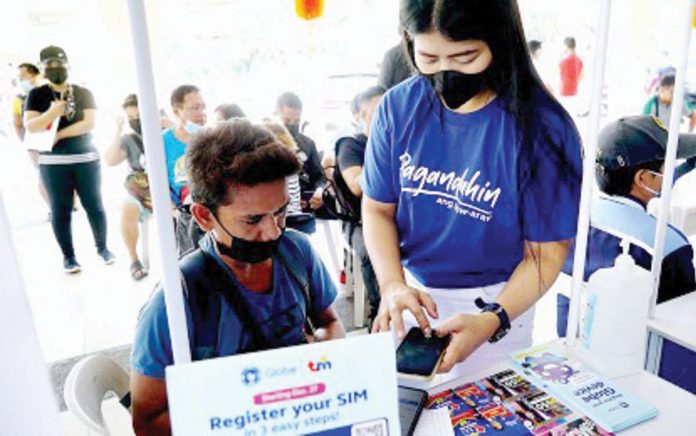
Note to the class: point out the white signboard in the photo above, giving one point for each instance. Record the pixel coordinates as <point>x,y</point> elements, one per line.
<point>343,387</point>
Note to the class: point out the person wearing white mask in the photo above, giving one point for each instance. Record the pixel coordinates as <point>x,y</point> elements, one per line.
<point>189,108</point>
<point>629,170</point>
<point>28,78</point>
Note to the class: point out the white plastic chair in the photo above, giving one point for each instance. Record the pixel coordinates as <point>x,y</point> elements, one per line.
<point>354,284</point>
<point>87,384</point>
<point>331,242</point>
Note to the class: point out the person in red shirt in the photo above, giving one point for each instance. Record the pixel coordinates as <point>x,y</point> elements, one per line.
<point>571,69</point>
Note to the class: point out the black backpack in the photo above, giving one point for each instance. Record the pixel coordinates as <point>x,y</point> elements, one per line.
<point>343,204</point>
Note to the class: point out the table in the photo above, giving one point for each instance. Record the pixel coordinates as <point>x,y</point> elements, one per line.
<point>675,406</point>
<point>674,320</point>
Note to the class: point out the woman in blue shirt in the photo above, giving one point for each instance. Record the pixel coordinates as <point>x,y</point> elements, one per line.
<point>472,181</point>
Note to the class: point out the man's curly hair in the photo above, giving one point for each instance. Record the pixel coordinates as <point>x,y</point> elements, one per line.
<point>235,153</point>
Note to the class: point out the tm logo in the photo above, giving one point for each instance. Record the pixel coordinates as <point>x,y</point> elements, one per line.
<point>250,376</point>
<point>322,365</point>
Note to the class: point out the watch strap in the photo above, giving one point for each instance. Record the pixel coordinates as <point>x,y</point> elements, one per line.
<point>498,311</point>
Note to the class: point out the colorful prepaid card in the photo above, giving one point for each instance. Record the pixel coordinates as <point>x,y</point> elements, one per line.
<point>343,387</point>
<point>507,403</point>
<point>575,384</point>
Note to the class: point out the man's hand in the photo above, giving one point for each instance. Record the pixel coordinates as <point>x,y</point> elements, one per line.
<point>317,199</point>
<point>166,123</point>
<point>396,298</point>
<point>120,121</point>
<point>57,108</point>
<point>468,333</point>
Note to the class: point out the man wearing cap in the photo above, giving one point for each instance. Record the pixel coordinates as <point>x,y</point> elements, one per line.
<point>629,164</point>
<point>72,165</point>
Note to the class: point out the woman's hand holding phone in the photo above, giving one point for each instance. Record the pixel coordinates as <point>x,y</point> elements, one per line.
<point>467,332</point>
<point>397,297</point>
<point>418,356</point>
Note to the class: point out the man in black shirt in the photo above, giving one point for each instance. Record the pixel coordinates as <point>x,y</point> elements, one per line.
<point>350,157</point>
<point>312,181</point>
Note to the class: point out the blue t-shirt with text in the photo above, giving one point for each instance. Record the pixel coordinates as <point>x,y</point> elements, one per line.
<point>468,193</point>
<point>280,310</point>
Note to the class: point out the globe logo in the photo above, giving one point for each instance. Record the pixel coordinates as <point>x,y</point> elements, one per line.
<point>251,376</point>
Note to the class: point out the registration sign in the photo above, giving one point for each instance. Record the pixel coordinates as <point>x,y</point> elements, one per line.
<point>343,387</point>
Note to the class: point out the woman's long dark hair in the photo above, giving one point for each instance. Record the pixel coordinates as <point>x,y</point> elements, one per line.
<point>511,75</point>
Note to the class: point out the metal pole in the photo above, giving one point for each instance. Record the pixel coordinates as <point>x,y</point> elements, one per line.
<point>588,170</point>
<point>671,153</point>
<point>159,184</point>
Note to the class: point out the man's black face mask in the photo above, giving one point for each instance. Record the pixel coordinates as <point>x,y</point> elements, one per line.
<point>294,129</point>
<point>135,125</point>
<point>247,251</point>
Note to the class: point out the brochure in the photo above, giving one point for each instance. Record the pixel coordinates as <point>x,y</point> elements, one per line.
<point>577,385</point>
<point>42,140</point>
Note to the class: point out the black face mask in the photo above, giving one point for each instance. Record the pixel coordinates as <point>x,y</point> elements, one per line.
<point>457,88</point>
<point>248,251</point>
<point>56,75</point>
<point>135,125</point>
<point>294,129</point>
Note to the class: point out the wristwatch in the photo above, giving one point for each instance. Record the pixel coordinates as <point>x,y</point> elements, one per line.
<point>502,315</point>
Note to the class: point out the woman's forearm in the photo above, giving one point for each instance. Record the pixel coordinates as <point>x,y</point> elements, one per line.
<point>382,241</point>
<point>533,276</point>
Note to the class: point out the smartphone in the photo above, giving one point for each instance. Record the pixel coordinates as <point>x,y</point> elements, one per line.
<point>418,356</point>
<point>411,403</point>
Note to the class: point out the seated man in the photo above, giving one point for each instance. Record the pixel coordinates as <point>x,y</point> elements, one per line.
<point>189,109</point>
<point>251,285</point>
<point>350,156</point>
<point>312,182</point>
<point>630,161</point>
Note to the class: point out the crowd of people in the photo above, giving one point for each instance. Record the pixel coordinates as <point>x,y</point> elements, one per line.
<point>458,186</point>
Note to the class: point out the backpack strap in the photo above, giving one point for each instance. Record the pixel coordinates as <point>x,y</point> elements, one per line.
<point>295,263</point>
<point>205,285</point>
<point>204,304</point>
